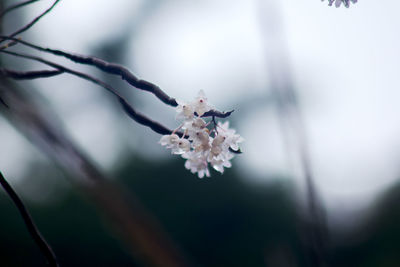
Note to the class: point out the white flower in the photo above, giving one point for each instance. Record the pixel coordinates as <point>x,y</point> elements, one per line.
<point>182,146</point>
<point>169,140</point>
<point>196,163</point>
<point>203,146</point>
<point>218,140</point>
<point>225,128</point>
<point>194,125</point>
<point>219,155</point>
<point>232,139</point>
<point>219,163</point>
<point>339,2</point>
<point>177,145</point>
<point>185,111</point>
<point>200,137</point>
<point>198,123</point>
<point>217,147</point>
<point>200,104</point>
<point>215,151</point>
<point>201,140</point>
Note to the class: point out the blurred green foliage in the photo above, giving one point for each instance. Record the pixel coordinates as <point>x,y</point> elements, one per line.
<point>376,241</point>
<point>219,221</point>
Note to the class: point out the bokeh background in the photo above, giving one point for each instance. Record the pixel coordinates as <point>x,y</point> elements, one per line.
<point>343,65</point>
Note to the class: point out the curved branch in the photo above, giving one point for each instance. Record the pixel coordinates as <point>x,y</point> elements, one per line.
<point>4,102</point>
<point>142,119</point>
<point>30,24</point>
<point>116,69</point>
<point>30,225</point>
<point>29,75</point>
<point>17,5</point>
<point>111,68</point>
<point>218,114</point>
<point>130,111</point>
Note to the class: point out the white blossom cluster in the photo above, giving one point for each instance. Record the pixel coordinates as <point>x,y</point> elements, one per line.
<point>202,144</point>
<point>339,2</point>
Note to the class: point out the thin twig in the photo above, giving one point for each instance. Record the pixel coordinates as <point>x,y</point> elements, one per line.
<point>15,6</point>
<point>111,68</point>
<point>8,45</point>
<point>218,114</point>
<point>136,116</point>
<point>30,225</point>
<point>30,24</point>
<point>116,69</point>
<point>142,119</point>
<point>4,102</point>
<point>29,75</point>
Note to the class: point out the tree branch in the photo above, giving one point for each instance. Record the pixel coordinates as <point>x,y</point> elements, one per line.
<point>4,103</point>
<point>111,68</point>
<point>130,111</point>
<point>116,69</point>
<point>218,114</point>
<point>15,6</point>
<point>136,116</point>
<point>29,75</point>
<point>30,225</point>
<point>142,119</point>
<point>30,24</point>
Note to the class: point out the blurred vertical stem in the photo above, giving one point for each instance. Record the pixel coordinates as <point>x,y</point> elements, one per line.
<point>291,121</point>
<point>30,225</point>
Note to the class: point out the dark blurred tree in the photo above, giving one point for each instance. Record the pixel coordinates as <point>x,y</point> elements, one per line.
<point>220,221</point>
<point>376,241</point>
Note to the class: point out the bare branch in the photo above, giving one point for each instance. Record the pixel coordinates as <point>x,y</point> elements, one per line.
<point>17,5</point>
<point>7,45</point>
<point>29,75</point>
<point>136,116</point>
<point>142,119</point>
<point>239,151</point>
<point>4,102</point>
<point>218,114</point>
<point>111,68</point>
<point>30,225</point>
<point>30,24</point>
<point>116,69</point>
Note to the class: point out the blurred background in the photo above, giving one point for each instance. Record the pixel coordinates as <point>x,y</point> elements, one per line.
<point>278,64</point>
